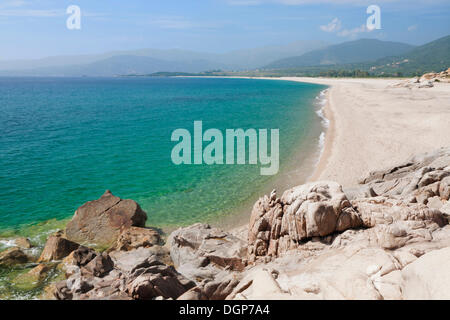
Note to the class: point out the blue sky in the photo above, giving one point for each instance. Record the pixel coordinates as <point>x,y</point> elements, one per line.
<point>37,28</point>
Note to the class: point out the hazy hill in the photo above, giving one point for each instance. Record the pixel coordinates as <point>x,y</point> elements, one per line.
<point>146,61</point>
<point>347,52</point>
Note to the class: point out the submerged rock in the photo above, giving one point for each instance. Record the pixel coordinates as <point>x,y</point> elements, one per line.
<point>100,222</point>
<point>34,277</point>
<point>12,256</point>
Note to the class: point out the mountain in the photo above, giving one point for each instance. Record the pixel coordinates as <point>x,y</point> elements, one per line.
<point>117,65</point>
<point>145,61</point>
<point>430,57</point>
<point>347,52</point>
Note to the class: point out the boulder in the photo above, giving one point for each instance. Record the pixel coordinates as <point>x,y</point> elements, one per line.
<point>127,261</point>
<point>200,252</point>
<point>315,209</point>
<point>195,293</point>
<point>427,277</point>
<point>83,255</point>
<point>23,243</point>
<point>135,237</point>
<point>100,222</point>
<point>12,256</point>
<point>100,266</point>
<point>156,279</point>
<point>56,248</point>
<point>33,278</point>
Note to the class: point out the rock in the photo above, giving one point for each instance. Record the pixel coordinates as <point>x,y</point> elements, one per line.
<point>258,284</point>
<point>48,292</point>
<point>40,271</point>
<point>200,252</point>
<point>427,277</point>
<point>221,286</point>
<point>100,266</point>
<point>382,210</point>
<point>127,261</point>
<point>12,256</point>
<point>157,279</point>
<point>69,265</point>
<point>135,237</point>
<point>83,255</point>
<point>193,294</point>
<point>422,176</point>
<point>33,278</point>
<point>57,248</point>
<point>100,222</point>
<point>315,209</point>
<point>23,243</point>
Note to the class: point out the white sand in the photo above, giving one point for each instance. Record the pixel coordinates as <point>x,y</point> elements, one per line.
<point>374,126</point>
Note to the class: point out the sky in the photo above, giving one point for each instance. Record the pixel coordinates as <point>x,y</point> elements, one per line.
<point>37,28</point>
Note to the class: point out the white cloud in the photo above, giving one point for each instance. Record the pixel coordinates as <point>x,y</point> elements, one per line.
<point>13,4</point>
<point>353,32</point>
<point>413,27</point>
<point>179,23</point>
<point>32,13</point>
<point>333,26</point>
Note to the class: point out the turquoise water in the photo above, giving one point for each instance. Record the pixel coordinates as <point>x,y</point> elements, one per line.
<point>65,141</point>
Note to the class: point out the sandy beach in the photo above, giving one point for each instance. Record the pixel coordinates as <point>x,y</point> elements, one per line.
<point>374,125</point>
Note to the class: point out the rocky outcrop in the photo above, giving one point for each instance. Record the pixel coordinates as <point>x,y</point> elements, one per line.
<point>428,277</point>
<point>135,237</point>
<point>387,238</point>
<point>100,222</point>
<point>135,274</point>
<point>398,246</point>
<point>317,209</point>
<point>425,81</point>
<point>57,247</point>
<point>12,256</point>
<point>214,259</point>
<point>200,252</point>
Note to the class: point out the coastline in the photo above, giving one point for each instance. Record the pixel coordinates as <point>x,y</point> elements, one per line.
<point>373,126</point>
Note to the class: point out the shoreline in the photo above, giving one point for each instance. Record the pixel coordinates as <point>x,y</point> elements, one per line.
<point>373,126</point>
<point>329,138</point>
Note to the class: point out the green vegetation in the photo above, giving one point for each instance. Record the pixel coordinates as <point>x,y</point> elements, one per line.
<point>431,57</point>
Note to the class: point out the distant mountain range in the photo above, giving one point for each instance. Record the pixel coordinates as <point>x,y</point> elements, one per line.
<point>311,58</point>
<point>146,61</point>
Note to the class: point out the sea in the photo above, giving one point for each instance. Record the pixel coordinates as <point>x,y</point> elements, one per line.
<point>64,141</point>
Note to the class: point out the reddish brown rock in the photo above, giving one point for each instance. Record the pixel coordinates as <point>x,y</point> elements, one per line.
<point>12,256</point>
<point>57,248</point>
<point>100,222</point>
<point>135,237</point>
